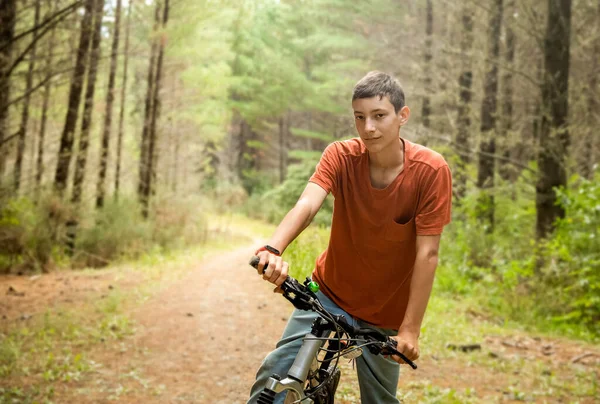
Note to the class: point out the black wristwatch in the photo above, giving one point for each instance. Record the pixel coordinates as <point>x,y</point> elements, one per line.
<point>270,249</point>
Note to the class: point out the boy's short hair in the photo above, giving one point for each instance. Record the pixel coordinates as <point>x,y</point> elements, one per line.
<point>379,84</point>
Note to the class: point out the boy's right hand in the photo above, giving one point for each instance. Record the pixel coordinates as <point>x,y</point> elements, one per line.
<point>275,268</point>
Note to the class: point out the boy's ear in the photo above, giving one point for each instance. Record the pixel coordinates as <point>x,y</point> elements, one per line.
<point>404,115</point>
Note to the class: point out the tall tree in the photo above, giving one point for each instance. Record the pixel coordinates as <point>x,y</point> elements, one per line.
<point>143,185</point>
<point>108,115</point>
<point>588,157</point>
<point>427,68</point>
<point>485,175</point>
<point>25,111</point>
<point>465,84</point>
<point>45,103</point>
<point>554,137</point>
<point>156,110</point>
<point>86,121</point>
<point>505,125</point>
<point>123,99</point>
<point>150,179</point>
<point>68,134</point>
<point>8,12</point>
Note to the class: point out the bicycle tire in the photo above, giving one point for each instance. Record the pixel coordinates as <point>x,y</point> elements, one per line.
<point>326,394</point>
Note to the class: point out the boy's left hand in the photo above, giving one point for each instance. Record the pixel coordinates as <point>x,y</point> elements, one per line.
<point>408,344</point>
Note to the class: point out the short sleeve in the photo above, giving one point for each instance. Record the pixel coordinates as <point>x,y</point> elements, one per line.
<point>435,206</point>
<point>326,173</point>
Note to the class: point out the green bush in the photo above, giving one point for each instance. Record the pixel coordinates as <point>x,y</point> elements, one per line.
<point>118,230</point>
<point>178,222</point>
<point>554,284</point>
<point>30,233</point>
<point>33,236</point>
<point>273,205</point>
<point>573,254</point>
<point>114,231</point>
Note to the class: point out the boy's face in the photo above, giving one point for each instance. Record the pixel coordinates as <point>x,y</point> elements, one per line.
<point>377,123</point>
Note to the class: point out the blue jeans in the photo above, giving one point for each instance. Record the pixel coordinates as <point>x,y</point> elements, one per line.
<point>377,376</point>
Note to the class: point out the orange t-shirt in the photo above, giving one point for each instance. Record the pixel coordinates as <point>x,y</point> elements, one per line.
<point>367,267</point>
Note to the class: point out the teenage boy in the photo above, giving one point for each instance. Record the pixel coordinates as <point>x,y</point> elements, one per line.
<point>392,201</point>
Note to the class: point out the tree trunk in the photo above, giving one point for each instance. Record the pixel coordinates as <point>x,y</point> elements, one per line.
<point>8,11</point>
<point>554,136</point>
<point>588,156</point>
<point>485,177</point>
<point>143,186</point>
<point>153,137</point>
<point>108,116</point>
<point>25,112</point>
<point>86,121</point>
<point>123,99</point>
<point>426,109</point>
<point>45,102</point>
<point>67,137</point>
<point>463,120</point>
<point>505,171</point>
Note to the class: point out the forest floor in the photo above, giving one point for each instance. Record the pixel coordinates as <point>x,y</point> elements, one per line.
<point>194,329</point>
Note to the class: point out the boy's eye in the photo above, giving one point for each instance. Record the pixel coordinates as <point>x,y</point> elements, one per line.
<point>380,115</point>
<point>358,118</point>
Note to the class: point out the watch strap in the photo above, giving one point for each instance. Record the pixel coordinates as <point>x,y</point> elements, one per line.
<point>270,249</point>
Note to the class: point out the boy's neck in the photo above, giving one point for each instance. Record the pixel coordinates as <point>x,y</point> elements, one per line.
<point>390,157</point>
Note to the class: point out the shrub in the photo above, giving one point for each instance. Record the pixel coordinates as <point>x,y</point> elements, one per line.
<point>179,222</point>
<point>573,254</point>
<point>554,284</point>
<point>274,205</point>
<point>116,230</point>
<point>30,233</point>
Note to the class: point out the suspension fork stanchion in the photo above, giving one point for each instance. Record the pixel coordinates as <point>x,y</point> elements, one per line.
<point>294,382</point>
<point>307,353</point>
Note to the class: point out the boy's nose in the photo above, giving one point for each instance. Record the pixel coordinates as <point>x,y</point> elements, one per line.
<point>369,126</point>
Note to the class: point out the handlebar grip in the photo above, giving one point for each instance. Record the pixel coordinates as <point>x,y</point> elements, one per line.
<point>254,262</point>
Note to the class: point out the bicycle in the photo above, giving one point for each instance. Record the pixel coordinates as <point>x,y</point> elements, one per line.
<point>314,375</point>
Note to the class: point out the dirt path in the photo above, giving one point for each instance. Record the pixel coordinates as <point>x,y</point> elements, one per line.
<point>199,341</point>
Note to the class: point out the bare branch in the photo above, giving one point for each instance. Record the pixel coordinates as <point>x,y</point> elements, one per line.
<point>45,22</point>
<point>20,58</point>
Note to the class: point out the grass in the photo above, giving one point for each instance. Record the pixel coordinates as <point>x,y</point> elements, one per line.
<point>52,348</point>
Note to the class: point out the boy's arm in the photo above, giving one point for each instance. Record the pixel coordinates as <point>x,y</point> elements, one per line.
<point>420,290</point>
<point>290,227</point>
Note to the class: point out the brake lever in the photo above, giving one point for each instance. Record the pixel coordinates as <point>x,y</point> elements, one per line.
<point>389,348</point>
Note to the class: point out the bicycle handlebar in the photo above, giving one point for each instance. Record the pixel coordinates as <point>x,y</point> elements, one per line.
<point>303,298</point>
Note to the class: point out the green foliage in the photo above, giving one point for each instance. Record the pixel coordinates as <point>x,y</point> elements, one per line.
<point>551,285</point>
<point>312,134</point>
<point>119,231</point>
<point>274,204</point>
<point>29,233</point>
<point>33,235</point>
<point>52,349</point>
<point>116,231</point>
<point>303,252</point>
<point>573,255</point>
<point>179,222</point>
